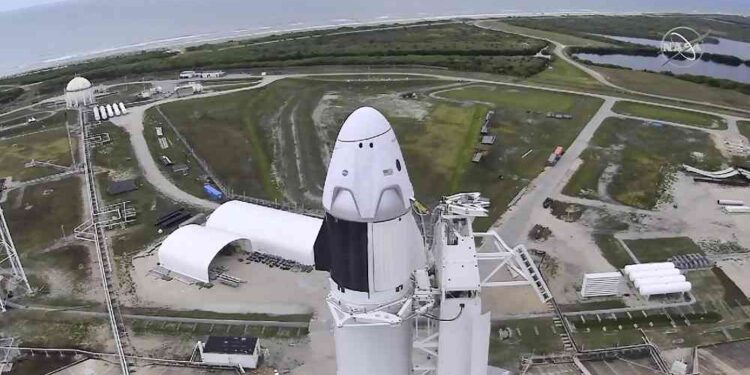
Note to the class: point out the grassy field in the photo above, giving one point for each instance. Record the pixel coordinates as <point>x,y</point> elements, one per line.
<point>645,158</point>
<point>669,114</point>
<point>714,285</point>
<point>40,329</point>
<point>118,158</point>
<point>526,336</point>
<point>660,84</point>
<point>520,124</point>
<point>199,314</point>
<point>661,249</point>
<point>51,146</point>
<point>744,127</point>
<point>73,260</point>
<point>255,140</point>
<point>38,215</point>
<point>612,250</point>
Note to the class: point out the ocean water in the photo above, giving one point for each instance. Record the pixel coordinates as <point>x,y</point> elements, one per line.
<point>61,33</point>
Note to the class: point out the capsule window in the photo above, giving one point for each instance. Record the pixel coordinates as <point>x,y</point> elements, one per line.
<point>370,144</point>
<point>398,165</point>
<point>360,144</point>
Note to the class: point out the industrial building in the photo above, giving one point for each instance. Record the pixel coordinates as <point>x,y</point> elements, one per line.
<point>233,351</point>
<point>189,250</point>
<point>79,92</point>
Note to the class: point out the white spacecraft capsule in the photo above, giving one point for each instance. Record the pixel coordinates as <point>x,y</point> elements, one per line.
<point>370,244</point>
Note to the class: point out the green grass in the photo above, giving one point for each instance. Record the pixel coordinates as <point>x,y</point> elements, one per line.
<point>669,114</point>
<point>646,158</point>
<point>200,314</point>
<point>265,129</point>
<point>744,127</point>
<point>118,158</point>
<point>564,74</point>
<point>660,84</point>
<point>714,284</point>
<point>51,146</point>
<point>520,98</point>
<point>505,352</point>
<point>73,260</point>
<point>612,250</point>
<point>38,214</point>
<point>661,249</point>
<point>40,329</point>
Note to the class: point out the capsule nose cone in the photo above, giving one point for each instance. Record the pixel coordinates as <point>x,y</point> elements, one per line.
<point>364,123</point>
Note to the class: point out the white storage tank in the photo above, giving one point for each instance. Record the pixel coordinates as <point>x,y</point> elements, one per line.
<point>648,266</point>
<point>657,289</point>
<point>103,112</point>
<point>653,273</point>
<point>110,111</point>
<point>96,114</point>
<point>658,280</point>
<point>116,109</point>
<point>122,108</point>
<point>730,202</point>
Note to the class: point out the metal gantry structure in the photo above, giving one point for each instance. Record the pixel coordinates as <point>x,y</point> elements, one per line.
<point>10,255</point>
<point>102,252</point>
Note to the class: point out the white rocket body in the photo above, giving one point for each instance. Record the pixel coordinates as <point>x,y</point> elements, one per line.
<point>370,244</point>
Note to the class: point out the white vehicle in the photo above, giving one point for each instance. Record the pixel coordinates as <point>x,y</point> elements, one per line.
<point>96,114</point>
<point>122,108</point>
<point>103,112</point>
<point>116,109</point>
<point>110,111</point>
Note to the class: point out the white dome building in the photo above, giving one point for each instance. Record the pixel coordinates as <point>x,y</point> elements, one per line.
<point>79,93</point>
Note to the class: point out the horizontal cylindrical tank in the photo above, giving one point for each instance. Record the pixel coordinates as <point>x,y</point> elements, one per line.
<point>647,266</point>
<point>116,109</point>
<point>730,202</point>
<point>110,111</point>
<point>653,273</point>
<point>654,289</point>
<point>122,108</point>
<point>658,280</point>
<point>96,114</point>
<point>103,112</point>
<point>736,209</point>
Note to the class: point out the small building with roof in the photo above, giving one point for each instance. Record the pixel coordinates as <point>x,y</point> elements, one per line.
<point>79,92</point>
<point>240,351</point>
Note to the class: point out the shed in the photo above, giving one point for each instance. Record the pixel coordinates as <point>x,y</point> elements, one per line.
<point>488,139</point>
<point>227,350</point>
<point>477,157</point>
<point>120,187</point>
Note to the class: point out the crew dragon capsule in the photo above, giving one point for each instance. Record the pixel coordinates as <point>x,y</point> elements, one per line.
<point>370,244</point>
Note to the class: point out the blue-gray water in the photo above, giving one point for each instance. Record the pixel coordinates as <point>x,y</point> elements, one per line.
<point>55,34</point>
<point>657,64</point>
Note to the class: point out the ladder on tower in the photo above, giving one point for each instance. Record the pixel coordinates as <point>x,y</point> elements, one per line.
<point>529,267</point>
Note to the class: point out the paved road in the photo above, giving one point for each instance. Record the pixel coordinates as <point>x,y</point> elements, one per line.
<point>133,124</point>
<point>515,223</point>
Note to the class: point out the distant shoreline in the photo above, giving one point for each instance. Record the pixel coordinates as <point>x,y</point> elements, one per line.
<point>260,32</point>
